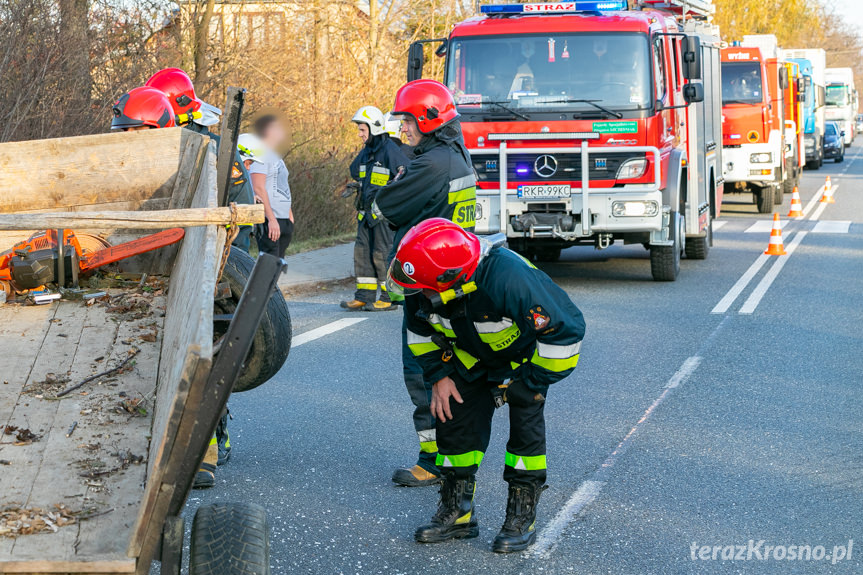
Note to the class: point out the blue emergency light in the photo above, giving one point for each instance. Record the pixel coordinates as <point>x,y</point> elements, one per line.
<point>555,7</point>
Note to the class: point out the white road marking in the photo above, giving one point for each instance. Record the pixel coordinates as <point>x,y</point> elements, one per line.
<point>765,283</point>
<point>764,226</point>
<point>324,330</point>
<point>831,227</point>
<point>811,203</point>
<point>590,489</point>
<point>687,369</point>
<point>821,207</point>
<point>741,284</point>
<point>717,224</point>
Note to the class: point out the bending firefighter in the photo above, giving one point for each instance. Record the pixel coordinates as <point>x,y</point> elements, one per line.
<point>375,166</point>
<point>490,329</point>
<point>438,183</point>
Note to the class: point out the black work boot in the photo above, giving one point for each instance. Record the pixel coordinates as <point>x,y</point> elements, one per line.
<point>518,531</point>
<point>455,517</point>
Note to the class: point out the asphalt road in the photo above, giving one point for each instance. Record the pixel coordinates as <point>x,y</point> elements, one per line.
<point>685,425</point>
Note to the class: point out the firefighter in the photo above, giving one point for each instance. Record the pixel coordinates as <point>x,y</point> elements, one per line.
<point>374,167</point>
<point>393,126</point>
<point>489,329</point>
<point>195,114</point>
<point>141,109</point>
<point>438,182</point>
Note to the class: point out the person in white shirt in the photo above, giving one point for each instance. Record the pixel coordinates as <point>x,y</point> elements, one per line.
<point>270,183</point>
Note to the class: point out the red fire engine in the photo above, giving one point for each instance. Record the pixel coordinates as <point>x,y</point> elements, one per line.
<point>589,123</point>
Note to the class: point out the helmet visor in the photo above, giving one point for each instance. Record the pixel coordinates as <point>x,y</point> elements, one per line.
<point>399,282</point>
<point>210,115</point>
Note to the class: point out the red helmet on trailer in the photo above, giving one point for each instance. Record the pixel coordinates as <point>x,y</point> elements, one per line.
<point>435,254</point>
<point>178,87</point>
<point>141,107</point>
<point>429,102</point>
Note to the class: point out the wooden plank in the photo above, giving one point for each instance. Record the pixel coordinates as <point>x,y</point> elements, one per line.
<point>22,330</point>
<point>69,567</point>
<point>130,166</point>
<point>191,163</point>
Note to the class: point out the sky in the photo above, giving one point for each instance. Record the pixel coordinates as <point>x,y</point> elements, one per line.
<point>852,11</point>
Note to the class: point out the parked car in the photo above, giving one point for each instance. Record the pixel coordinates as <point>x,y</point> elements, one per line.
<point>858,121</point>
<point>834,143</point>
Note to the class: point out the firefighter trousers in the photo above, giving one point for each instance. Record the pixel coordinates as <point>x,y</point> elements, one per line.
<point>371,251</point>
<point>420,394</point>
<point>463,440</point>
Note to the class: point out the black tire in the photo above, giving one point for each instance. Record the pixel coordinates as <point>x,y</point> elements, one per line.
<point>272,341</point>
<point>841,158</point>
<point>230,539</point>
<point>764,200</point>
<point>778,195</point>
<point>548,254</point>
<point>789,185</point>
<point>665,260</point>
<point>698,248</point>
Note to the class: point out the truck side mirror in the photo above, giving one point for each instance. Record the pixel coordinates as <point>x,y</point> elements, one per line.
<point>693,93</point>
<point>440,52</point>
<point>801,85</point>
<point>801,97</point>
<point>692,58</point>
<point>783,79</point>
<point>416,60</point>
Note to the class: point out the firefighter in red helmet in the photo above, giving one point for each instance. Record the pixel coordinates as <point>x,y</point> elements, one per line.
<point>142,109</point>
<point>438,182</point>
<point>489,329</point>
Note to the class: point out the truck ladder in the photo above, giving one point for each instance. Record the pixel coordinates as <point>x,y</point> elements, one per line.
<point>696,8</point>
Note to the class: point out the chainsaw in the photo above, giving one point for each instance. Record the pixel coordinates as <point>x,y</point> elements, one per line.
<point>42,259</point>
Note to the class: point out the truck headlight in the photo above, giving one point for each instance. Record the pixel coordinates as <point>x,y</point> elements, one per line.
<point>632,169</point>
<point>634,209</point>
<point>762,158</point>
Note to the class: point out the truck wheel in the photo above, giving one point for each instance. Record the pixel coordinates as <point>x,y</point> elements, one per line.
<point>548,254</point>
<point>272,341</point>
<point>789,184</point>
<point>665,260</point>
<point>764,199</point>
<point>697,248</point>
<point>778,195</point>
<point>230,539</point>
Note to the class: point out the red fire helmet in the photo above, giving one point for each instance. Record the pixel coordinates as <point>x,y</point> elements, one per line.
<point>142,106</point>
<point>435,254</point>
<point>178,87</point>
<point>429,102</point>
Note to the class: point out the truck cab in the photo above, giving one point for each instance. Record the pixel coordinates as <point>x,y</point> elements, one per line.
<point>753,124</point>
<point>581,122</point>
<point>813,113</point>
<point>841,100</point>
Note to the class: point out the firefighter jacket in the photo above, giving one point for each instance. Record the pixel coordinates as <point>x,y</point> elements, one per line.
<point>374,167</point>
<point>438,183</point>
<point>517,323</point>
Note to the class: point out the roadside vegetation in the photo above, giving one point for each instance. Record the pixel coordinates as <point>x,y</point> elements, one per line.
<point>315,62</point>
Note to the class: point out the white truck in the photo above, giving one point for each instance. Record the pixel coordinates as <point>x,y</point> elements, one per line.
<point>842,100</point>
<point>813,61</point>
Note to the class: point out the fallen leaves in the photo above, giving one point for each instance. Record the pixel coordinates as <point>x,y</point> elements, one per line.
<point>15,521</point>
<point>22,436</point>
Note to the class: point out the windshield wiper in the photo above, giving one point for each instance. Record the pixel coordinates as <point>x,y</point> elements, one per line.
<point>506,108</point>
<point>593,103</point>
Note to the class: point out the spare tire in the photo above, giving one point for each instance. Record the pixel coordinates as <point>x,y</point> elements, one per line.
<point>230,539</point>
<point>272,341</point>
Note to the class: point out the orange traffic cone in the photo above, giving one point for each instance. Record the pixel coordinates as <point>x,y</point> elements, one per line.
<point>796,206</point>
<point>827,195</point>
<point>775,247</point>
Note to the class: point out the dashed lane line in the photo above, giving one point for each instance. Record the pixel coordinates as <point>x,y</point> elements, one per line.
<point>325,330</point>
<point>765,283</point>
<point>831,227</point>
<point>717,224</point>
<point>763,226</point>
<point>740,285</point>
<point>590,489</point>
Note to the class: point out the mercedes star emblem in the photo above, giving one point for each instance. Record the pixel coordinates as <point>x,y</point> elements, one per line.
<point>545,166</point>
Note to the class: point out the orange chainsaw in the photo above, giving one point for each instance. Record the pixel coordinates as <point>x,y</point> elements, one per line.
<point>42,259</point>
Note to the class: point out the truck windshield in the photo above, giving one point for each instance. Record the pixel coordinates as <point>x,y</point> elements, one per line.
<point>741,83</point>
<point>837,95</point>
<point>561,72</point>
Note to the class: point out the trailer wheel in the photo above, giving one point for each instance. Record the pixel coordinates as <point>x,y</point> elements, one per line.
<point>764,199</point>
<point>697,248</point>
<point>230,539</point>
<point>272,341</point>
<point>665,260</point>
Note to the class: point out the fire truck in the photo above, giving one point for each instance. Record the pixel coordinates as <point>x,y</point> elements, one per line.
<point>762,98</point>
<point>589,123</point>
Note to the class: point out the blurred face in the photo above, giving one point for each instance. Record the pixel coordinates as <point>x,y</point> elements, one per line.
<point>248,163</point>
<point>411,130</point>
<point>136,128</point>
<point>274,135</point>
<point>363,132</point>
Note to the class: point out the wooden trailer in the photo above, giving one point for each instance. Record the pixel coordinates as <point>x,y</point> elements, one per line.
<point>93,478</point>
